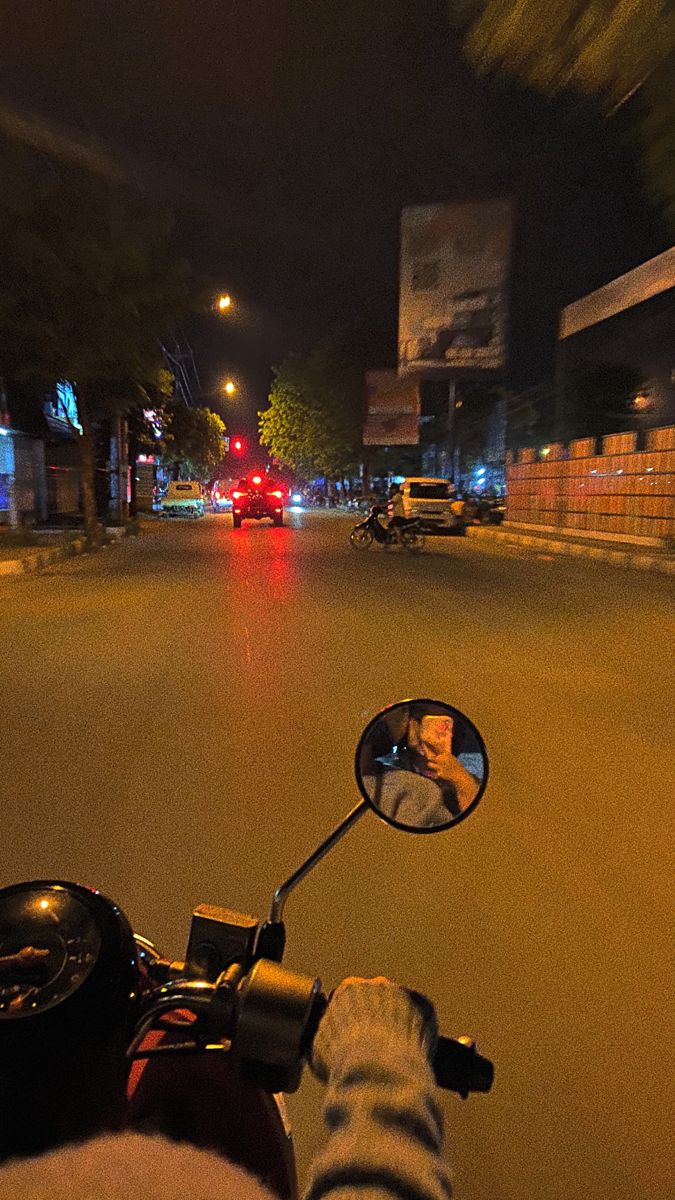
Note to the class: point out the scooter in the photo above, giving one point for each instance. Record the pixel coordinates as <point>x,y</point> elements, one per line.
<point>99,1031</point>
<point>371,529</point>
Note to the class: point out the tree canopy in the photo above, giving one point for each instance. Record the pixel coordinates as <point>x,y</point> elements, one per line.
<point>194,440</point>
<point>89,284</point>
<point>610,49</point>
<point>314,421</point>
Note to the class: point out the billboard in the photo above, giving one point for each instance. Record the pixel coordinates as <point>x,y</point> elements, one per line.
<point>454,276</point>
<point>392,410</point>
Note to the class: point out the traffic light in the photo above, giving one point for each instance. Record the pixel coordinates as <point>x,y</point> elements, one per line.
<point>238,445</point>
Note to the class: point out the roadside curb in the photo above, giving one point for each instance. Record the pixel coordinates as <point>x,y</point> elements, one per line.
<point>640,560</point>
<point>43,557</point>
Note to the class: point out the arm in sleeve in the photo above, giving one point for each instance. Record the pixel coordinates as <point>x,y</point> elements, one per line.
<point>385,1126</point>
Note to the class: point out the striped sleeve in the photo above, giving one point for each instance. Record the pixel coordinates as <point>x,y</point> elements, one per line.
<point>385,1126</point>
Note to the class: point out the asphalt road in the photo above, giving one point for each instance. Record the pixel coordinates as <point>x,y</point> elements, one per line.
<point>178,723</point>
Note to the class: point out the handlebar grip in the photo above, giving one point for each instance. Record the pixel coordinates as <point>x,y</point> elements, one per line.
<point>456,1064</point>
<point>458,1067</point>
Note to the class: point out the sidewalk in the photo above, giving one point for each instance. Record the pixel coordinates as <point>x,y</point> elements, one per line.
<point>622,554</point>
<point>46,548</point>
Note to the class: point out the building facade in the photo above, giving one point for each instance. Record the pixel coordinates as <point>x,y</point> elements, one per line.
<point>444,409</point>
<point>616,354</point>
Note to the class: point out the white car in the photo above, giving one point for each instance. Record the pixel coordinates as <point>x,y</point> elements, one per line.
<point>184,498</point>
<point>431,501</point>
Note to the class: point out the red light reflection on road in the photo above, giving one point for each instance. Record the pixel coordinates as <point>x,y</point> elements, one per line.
<point>261,559</point>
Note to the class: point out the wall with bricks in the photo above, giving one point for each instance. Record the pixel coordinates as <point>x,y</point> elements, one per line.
<point>613,488</point>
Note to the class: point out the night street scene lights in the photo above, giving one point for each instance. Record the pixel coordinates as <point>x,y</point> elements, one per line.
<point>224,302</point>
<point>230,387</point>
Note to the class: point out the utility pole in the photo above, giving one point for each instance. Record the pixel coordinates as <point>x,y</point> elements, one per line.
<point>118,469</point>
<point>8,458</point>
<point>180,360</point>
<point>450,437</point>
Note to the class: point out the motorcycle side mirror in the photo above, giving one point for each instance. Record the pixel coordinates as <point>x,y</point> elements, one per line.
<point>421,765</point>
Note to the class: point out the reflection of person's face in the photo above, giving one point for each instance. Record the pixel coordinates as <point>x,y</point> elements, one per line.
<point>429,740</point>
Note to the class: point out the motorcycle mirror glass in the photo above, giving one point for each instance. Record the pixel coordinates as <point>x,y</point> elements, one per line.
<point>421,765</point>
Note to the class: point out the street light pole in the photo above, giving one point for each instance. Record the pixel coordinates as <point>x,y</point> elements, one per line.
<point>450,436</point>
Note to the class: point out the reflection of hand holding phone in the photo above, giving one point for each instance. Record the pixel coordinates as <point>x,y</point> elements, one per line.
<point>430,738</point>
<point>436,735</point>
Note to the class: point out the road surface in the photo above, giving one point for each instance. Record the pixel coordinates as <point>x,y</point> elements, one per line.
<point>178,726</point>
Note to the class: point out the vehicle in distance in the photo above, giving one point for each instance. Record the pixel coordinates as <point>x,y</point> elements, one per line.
<point>221,494</point>
<point>255,497</point>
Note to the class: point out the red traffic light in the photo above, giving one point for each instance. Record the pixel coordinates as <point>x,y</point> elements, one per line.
<point>238,445</point>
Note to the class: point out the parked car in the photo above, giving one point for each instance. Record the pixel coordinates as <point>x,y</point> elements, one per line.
<point>184,498</point>
<point>432,502</point>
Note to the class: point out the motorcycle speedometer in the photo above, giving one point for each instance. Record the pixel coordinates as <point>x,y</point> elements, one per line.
<point>50,943</point>
<point>66,953</point>
<point>69,997</point>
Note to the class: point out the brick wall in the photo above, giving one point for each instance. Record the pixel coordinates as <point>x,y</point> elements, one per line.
<point>621,490</point>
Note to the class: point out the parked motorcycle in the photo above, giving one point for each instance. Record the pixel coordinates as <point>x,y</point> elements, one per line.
<point>485,510</point>
<point>99,1031</point>
<point>372,530</point>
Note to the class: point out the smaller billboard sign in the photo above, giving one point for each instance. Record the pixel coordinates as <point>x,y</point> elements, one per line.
<point>60,409</point>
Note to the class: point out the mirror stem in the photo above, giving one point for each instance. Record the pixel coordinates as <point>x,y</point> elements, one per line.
<point>284,890</point>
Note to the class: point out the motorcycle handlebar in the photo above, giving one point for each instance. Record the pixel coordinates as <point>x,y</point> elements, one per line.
<point>456,1064</point>
<point>458,1067</point>
<point>283,1010</point>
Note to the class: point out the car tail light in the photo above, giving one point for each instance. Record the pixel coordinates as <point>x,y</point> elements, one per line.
<point>257,479</point>
<point>277,495</point>
<point>237,495</point>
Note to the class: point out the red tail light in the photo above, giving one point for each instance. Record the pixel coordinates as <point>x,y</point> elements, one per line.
<point>237,495</point>
<point>278,495</point>
<point>257,479</point>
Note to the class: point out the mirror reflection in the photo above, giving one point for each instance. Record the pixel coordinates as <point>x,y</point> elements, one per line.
<point>421,765</point>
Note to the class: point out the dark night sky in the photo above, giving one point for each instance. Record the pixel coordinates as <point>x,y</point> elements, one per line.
<point>302,128</point>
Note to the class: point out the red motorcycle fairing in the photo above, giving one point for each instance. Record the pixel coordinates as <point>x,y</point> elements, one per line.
<point>199,1099</point>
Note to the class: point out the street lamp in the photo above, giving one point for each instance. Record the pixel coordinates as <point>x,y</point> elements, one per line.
<point>224,302</point>
<point>230,387</point>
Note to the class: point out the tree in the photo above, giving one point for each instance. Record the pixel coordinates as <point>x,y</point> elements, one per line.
<point>315,417</point>
<point>148,423</point>
<point>195,440</point>
<point>88,285</point>
<point>609,49</point>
